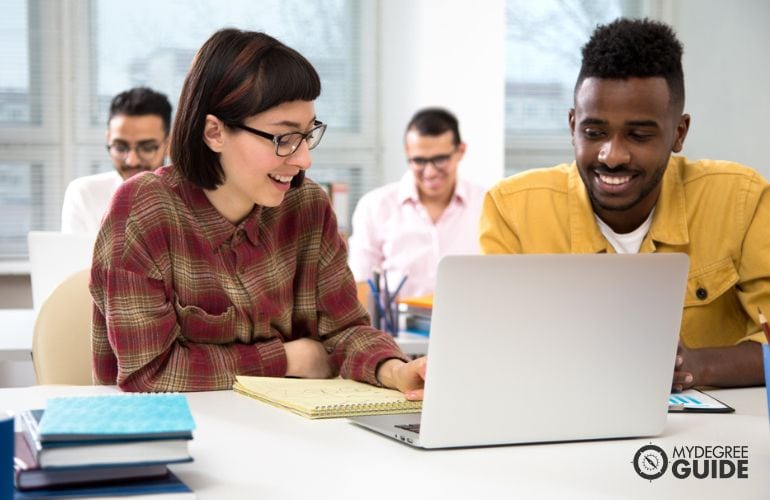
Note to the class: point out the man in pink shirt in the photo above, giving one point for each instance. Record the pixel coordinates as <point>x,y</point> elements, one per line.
<point>404,228</point>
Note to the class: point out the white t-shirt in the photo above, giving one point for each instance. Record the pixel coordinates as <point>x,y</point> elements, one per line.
<point>86,200</point>
<point>629,242</point>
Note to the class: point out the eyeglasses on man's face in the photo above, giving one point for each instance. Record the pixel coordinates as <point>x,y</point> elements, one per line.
<point>145,150</point>
<point>439,162</point>
<point>287,144</point>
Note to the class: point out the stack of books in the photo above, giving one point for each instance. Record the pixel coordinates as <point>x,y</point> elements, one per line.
<point>117,445</point>
<point>416,314</point>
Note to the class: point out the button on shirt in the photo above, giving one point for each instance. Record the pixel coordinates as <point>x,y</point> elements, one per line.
<point>185,300</point>
<point>393,231</point>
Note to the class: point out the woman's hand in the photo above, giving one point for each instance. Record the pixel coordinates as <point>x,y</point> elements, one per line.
<point>306,358</point>
<point>408,378</point>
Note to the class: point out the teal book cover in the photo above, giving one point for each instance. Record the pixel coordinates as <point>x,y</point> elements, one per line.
<point>121,416</point>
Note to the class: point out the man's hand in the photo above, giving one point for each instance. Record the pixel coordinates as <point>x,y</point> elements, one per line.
<point>306,358</point>
<point>686,363</point>
<point>408,378</point>
<point>734,366</point>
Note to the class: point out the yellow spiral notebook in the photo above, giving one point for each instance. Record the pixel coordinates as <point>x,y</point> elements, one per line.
<point>325,398</point>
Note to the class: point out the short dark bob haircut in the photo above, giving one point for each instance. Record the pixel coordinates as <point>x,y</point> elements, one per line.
<point>235,75</point>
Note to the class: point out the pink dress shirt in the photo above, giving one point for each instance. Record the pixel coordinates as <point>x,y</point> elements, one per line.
<point>392,231</point>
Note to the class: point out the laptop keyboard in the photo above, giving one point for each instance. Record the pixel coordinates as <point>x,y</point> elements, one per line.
<point>410,427</point>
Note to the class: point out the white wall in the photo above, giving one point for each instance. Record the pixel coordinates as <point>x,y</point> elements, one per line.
<point>727,78</point>
<point>447,53</point>
<point>451,53</point>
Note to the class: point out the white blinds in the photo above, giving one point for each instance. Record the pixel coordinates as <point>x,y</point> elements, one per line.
<point>61,63</point>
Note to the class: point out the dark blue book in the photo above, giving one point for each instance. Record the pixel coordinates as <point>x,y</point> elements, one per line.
<point>168,487</point>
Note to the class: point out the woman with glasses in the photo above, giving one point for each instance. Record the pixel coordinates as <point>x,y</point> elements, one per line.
<point>228,262</point>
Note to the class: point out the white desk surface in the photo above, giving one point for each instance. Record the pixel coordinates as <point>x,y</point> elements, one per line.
<point>244,449</point>
<point>16,327</point>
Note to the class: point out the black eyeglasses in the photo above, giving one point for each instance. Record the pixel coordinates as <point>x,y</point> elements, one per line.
<point>439,162</point>
<point>287,144</point>
<point>144,150</point>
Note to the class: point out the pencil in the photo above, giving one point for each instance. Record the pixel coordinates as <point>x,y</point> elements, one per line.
<point>763,324</point>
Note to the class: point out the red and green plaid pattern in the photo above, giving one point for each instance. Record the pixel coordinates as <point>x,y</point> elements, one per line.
<point>185,300</point>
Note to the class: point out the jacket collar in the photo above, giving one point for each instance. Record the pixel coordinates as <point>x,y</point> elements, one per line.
<point>669,222</point>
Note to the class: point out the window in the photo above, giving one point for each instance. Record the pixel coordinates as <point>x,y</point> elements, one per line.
<point>16,103</point>
<point>543,42</point>
<point>63,61</point>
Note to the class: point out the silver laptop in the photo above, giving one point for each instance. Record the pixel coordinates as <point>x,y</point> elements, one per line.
<point>55,256</point>
<point>539,348</point>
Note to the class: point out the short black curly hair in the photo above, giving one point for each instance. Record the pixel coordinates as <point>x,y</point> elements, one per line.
<point>640,48</point>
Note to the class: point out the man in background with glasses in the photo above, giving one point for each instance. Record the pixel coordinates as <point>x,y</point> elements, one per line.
<point>405,227</point>
<point>137,141</point>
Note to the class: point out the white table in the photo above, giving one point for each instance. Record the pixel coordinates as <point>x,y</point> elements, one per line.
<point>16,336</point>
<point>244,449</point>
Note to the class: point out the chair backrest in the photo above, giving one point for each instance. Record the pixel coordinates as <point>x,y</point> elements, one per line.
<point>54,256</point>
<point>61,341</point>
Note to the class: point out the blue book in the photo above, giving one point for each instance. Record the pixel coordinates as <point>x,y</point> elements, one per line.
<point>115,417</point>
<point>88,451</point>
<point>29,475</point>
<point>167,487</point>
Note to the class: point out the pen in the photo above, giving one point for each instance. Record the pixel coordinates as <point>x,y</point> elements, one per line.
<point>398,288</point>
<point>387,300</point>
<point>377,305</point>
<point>763,324</point>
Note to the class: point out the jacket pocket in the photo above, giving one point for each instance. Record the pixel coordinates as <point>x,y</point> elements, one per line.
<point>205,328</point>
<point>710,282</point>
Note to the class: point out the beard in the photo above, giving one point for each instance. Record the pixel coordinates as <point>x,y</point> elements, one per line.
<point>649,186</point>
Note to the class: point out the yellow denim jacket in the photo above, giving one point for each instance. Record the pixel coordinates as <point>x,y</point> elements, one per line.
<point>716,212</point>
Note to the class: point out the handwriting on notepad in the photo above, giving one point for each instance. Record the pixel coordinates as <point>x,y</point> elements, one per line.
<point>315,398</point>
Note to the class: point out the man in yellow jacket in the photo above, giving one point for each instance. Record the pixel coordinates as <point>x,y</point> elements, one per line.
<point>625,193</point>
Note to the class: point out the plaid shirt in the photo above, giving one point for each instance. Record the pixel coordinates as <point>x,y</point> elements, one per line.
<point>185,300</point>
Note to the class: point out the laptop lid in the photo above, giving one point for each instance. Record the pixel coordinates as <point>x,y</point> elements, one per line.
<point>53,257</point>
<point>538,348</point>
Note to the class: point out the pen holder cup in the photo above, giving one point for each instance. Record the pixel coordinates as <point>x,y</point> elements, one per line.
<point>384,318</point>
<point>766,356</point>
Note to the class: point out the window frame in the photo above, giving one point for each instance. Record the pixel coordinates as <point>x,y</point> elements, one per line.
<point>68,145</point>
<point>526,150</point>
